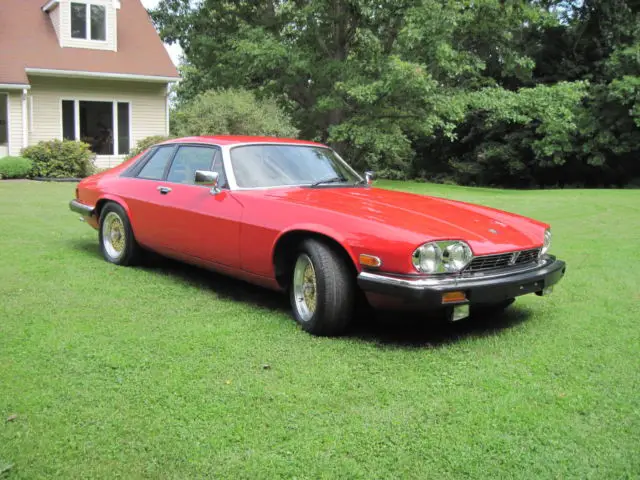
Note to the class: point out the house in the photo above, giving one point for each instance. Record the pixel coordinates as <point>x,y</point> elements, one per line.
<point>90,70</point>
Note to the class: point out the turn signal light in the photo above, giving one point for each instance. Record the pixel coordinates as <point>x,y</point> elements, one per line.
<point>370,260</point>
<point>453,297</point>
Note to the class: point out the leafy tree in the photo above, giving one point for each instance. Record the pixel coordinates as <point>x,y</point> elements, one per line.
<point>232,111</point>
<point>513,92</point>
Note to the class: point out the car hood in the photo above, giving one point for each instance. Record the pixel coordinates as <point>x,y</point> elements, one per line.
<point>486,230</point>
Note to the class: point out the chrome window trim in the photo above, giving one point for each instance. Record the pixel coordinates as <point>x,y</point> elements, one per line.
<point>231,176</point>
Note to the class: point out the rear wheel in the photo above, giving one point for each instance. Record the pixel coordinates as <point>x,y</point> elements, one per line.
<point>117,243</point>
<point>322,290</point>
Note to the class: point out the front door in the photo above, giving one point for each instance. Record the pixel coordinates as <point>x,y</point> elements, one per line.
<point>198,223</point>
<point>174,216</point>
<point>4,125</point>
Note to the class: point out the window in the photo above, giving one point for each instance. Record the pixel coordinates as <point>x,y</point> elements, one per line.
<point>188,160</point>
<point>218,167</point>
<point>105,126</point>
<point>124,142</point>
<point>68,120</point>
<point>157,164</point>
<point>98,23</point>
<point>78,20</point>
<point>96,126</point>
<point>276,165</point>
<point>88,21</point>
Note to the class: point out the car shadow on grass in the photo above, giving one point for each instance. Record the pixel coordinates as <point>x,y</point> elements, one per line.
<point>385,329</point>
<point>420,330</point>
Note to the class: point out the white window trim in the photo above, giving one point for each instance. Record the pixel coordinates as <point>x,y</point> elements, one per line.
<point>114,105</point>
<point>8,122</point>
<point>87,20</point>
<point>25,126</point>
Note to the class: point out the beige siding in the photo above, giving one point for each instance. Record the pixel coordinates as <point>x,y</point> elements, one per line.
<point>147,106</point>
<point>66,40</point>
<point>55,19</point>
<point>15,121</point>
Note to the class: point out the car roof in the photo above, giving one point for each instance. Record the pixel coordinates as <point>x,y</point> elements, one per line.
<point>238,140</point>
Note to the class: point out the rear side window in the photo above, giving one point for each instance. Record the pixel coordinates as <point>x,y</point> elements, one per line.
<point>188,159</point>
<point>157,164</point>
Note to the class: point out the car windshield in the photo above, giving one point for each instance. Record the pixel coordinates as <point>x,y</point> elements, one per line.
<point>282,165</point>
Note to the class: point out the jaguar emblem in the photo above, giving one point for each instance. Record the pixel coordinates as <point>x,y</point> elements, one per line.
<point>493,230</point>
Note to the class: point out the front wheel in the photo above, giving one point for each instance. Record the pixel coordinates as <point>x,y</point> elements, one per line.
<point>322,290</point>
<point>117,243</point>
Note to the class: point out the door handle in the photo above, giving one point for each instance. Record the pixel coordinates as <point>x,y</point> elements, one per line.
<point>164,190</point>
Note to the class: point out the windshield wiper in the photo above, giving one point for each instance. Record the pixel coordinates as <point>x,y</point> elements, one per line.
<point>328,180</point>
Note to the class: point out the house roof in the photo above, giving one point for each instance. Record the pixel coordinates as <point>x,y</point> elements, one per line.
<point>29,41</point>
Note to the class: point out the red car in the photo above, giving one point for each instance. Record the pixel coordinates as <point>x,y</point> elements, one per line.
<point>293,216</point>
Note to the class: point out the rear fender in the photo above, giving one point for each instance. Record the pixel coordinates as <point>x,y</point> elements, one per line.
<point>104,198</point>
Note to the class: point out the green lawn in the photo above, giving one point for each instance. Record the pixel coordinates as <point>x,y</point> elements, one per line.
<point>159,372</point>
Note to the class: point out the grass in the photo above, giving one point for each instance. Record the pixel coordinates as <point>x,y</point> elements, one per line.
<point>168,371</point>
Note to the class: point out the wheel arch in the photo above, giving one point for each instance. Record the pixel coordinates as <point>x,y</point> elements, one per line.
<point>284,249</point>
<point>104,199</point>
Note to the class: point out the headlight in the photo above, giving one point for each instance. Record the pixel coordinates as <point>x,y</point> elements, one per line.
<point>442,257</point>
<point>547,241</point>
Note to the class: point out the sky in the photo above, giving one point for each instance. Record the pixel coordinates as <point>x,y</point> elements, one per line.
<point>174,50</point>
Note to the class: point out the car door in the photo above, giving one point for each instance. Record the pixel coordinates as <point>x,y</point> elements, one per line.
<point>145,200</point>
<point>195,221</point>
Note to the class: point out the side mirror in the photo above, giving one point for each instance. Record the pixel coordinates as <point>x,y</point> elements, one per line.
<point>369,176</point>
<point>207,178</point>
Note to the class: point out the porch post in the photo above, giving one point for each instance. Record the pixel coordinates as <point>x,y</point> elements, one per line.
<point>25,131</point>
<point>115,133</point>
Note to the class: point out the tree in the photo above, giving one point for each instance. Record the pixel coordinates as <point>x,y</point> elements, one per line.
<point>483,91</point>
<point>231,112</point>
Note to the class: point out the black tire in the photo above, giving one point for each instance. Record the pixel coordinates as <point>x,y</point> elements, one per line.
<point>131,252</point>
<point>335,290</point>
<point>491,308</point>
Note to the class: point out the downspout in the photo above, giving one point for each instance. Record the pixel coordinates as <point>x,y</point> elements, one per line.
<point>166,123</point>
<point>25,132</point>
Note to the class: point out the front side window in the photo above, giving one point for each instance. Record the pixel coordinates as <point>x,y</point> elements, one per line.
<point>88,21</point>
<point>281,165</point>
<point>188,159</point>
<point>157,164</point>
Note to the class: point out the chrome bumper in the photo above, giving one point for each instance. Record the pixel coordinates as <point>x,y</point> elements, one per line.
<point>481,287</point>
<point>81,208</point>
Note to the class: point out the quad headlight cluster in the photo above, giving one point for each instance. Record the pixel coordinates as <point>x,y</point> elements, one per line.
<point>442,257</point>
<point>547,242</point>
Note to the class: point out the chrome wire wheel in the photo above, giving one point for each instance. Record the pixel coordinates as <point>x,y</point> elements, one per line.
<point>305,289</point>
<point>113,235</point>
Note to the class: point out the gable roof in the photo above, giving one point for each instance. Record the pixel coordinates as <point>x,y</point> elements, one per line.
<point>28,41</point>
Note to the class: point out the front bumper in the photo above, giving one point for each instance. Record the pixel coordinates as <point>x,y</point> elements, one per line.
<point>479,288</point>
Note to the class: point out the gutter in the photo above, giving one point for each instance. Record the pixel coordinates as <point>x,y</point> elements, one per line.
<point>14,86</point>
<point>47,72</point>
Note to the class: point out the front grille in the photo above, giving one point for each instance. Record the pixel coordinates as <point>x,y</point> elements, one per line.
<point>503,260</point>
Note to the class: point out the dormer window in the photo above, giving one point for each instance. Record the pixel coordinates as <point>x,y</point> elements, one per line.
<point>88,21</point>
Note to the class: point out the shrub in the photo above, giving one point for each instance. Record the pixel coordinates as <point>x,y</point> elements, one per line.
<point>231,112</point>
<point>14,167</point>
<point>60,159</point>
<point>145,143</point>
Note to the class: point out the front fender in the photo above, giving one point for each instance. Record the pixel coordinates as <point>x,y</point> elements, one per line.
<point>322,230</point>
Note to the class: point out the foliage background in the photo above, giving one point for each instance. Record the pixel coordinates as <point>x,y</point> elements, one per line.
<point>492,92</point>
<point>60,159</point>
